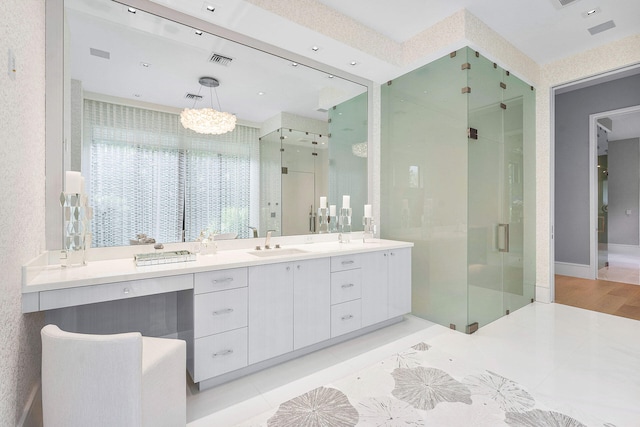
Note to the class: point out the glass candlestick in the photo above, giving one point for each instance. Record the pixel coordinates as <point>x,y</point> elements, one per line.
<point>77,228</point>
<point>369,228</point>
<point>323,220</point>
<point>345,225</point>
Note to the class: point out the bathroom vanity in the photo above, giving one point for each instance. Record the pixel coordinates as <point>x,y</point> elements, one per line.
<point>241,310</point>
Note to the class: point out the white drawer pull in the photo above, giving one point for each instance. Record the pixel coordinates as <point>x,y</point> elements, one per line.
<point>226,279</point>
<point>347,317</point>
<point>347,285</point>
<point>347,262</point>
<point>225,311</point>
<point>125,291</point>
<point>223,353</point>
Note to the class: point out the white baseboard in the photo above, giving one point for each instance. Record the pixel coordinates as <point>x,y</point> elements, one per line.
<point>543,295</point>
<point>574,270</point>
<point>31,412</point>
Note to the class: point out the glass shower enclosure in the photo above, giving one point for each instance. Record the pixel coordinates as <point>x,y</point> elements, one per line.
<point>458,180</point>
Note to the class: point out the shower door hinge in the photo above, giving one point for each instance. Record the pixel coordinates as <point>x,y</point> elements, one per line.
<point>507,312</point>
<point>314,154</point>
<point>453,54</point>
<point>503,85</point>
<point>503,106</point>
<point>466,89</point>
<point>329,121</point>
<point>328,136</point>
<point>533,300</point>
<point>472,327</point>
<point>465,66</point>
<point>285,170</point>
<point>452,326</point>
<point>472,133</point>
<point>390,82</point>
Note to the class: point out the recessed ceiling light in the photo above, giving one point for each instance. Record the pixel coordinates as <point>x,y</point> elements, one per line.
<point>132,10</point>
<point>353,63</point>
<point>294,64</point>
<point>145,64</point>
<point>591,12</point>
<point>315,48</point>
<point>211,8</point>
<point>260,93</point>
<point>198,32</point>
<point>331,76</point>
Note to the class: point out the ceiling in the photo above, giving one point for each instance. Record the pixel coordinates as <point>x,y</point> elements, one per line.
<point>541,29</point>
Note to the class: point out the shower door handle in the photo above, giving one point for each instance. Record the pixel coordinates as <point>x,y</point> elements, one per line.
<point>503,237</point>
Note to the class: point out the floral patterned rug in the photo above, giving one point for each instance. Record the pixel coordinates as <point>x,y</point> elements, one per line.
<point>420,386</point>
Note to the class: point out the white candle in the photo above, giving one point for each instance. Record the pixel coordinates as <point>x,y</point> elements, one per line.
<point>323,202</point>
<point>332,210</point>
<point>346,201</point>
<point>367,211</point>
<point>72,182</point>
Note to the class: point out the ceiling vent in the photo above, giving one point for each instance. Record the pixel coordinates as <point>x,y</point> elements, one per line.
<point>216,58</point>
<point>559,4</point>
<point>193,96</point>
<point>602,27</point>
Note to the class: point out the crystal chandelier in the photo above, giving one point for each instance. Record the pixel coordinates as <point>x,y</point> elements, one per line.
<point>208,120</point>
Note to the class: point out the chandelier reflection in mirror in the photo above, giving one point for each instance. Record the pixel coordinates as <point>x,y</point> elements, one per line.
<point>208,120</point>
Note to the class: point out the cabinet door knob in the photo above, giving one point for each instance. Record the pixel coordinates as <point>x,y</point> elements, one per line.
<point>288,268</point>
<point>222,353</point>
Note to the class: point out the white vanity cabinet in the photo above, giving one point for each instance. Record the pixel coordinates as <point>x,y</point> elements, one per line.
<point>288,307</point>
<point>386,285</point>
<point>220,307</point>
<point>239,312</point>
<point>311,302</point>
<point>346,289</point>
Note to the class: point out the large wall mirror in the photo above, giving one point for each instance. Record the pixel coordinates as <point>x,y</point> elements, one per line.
<point>301,133</point>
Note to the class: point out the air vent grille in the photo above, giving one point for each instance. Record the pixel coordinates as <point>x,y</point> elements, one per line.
<point>602,27</point>
<point>216,58</point>
<point>559,4</point>
<point>193,96</point>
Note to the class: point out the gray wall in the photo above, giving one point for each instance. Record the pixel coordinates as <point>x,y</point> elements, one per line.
<point>624,191</point>
<point>572,110</point>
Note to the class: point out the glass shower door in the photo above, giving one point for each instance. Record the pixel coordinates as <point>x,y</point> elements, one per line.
<point>488,226</point>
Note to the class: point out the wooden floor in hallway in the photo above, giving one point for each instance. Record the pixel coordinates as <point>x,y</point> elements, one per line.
<point>620,299</point>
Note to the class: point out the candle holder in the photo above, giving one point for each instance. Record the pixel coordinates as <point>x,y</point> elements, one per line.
<point>345,225</point>
<point>369,228</point>
<point>77,228</point>
<point>323,220</point>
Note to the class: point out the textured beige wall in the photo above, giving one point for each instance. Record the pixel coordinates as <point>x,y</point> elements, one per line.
<point>22,172</point>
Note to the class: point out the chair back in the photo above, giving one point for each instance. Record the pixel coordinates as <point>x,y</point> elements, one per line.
<point>91,380</point>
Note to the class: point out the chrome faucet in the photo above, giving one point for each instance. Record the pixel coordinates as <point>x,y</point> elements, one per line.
<point>255,231</point>
<point>267,240</point>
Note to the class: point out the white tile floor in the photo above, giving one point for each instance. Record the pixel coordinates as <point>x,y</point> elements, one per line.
<point>582,363</point>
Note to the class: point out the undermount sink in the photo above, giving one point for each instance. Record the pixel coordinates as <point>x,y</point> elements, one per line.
<point>277,252</point>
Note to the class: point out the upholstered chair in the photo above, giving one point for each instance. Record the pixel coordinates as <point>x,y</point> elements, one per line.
<point>123,380</point>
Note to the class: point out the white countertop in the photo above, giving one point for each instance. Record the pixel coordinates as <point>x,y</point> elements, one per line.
<point>51,277</point>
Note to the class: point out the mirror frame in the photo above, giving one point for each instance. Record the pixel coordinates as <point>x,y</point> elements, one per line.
<point>57,122</point>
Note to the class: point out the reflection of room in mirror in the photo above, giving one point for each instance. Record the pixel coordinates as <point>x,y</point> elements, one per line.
<point>131,75</point>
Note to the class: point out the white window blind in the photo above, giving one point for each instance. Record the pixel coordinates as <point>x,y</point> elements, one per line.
<point>147,174</point>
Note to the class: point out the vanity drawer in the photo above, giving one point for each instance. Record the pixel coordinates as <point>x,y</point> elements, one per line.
<point>345,317</point>
<point>221,311</point>
<point>218,354</point>
<point>220,280</point>
<point>345,262</point>
<point>80,295</point>
<point>346,285</point>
